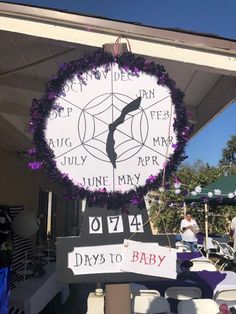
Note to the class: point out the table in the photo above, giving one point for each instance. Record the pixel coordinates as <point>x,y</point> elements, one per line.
<point>219,280</point>
<point>34,295</point>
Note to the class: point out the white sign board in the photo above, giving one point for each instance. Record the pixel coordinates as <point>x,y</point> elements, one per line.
<point>96,259</point>
<point>136,257</point>
<point>149,259</point>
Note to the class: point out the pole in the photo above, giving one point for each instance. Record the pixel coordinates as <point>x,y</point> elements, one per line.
<point>185,209</point>
<point>206,230</point>
<point>83,207</point>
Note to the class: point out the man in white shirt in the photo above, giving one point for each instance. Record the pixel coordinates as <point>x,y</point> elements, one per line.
<point>189,230</point>
<point>233,232</point>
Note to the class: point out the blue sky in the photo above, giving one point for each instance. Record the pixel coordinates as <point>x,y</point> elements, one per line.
<point>209,16</point>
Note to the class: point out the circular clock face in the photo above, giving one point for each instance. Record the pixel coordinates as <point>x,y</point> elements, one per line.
<point>113,129</point>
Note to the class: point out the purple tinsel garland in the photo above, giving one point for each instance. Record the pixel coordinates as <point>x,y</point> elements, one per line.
<point>41,108</point>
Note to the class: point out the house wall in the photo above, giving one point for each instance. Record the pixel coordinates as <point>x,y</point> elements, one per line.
<point>20,185</point>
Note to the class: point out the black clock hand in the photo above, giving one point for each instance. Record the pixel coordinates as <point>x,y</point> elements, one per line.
<point>110,145</point>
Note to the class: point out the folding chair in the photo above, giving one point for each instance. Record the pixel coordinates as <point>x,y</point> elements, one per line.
<point>180,247</point>
<point>174,295</point>
<point>228,255</point>
<point>147,304</point>
<point>150,292</point>
<point>138,289</point>
<point>215,248</point>
<point>183,293</point>
<point>198,306</point>
<point>226,297</point>
<point>144,292</point>
<point>202,259</point>
<point>201,265</point>
<point>205,260</point>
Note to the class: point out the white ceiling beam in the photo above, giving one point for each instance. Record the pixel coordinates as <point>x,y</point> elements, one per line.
<point>23,82</point>
<point>114,27</point>
<point>36,63</point>
<point>216,101</point>
<point>68,29</point>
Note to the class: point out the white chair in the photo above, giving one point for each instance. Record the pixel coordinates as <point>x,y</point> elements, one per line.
<point>226,296</point>
<point>180,247</point>
<point>198,306</point>
<point>150,292</point>
<point>144,292</point>
<point>150,304</point>
<point>227,254</point>
<point>137,290</point>
<point>96,302</point>
<point>202,259</point>
<point>211,246</point>
<point>216,249</point>
<point>201,265</point>
<point>183,293</point>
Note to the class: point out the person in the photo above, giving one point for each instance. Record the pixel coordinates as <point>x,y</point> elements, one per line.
<point>233,232</point>
<point>189,229</point>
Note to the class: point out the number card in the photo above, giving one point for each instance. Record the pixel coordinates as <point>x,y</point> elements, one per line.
<point>115,224</point>
<point>95,225</point>
<point>135,223</point>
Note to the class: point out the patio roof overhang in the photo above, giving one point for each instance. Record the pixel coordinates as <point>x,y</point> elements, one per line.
<point>35,41</point>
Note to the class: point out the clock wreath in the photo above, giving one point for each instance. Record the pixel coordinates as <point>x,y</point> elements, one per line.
<point>43,155</point>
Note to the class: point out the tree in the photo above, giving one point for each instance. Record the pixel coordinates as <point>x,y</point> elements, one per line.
<point>198,174</point>
<point>167,209</point>
<point>229,153</point>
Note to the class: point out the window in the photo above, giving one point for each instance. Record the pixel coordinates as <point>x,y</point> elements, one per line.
<point>47,215</point>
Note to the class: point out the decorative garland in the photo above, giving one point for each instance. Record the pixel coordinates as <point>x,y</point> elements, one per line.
<point>215,196</point>
<point>43,156</point>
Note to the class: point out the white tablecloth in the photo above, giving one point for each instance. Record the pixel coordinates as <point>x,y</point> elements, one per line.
<point>229,282</point>
<point>38,292</point>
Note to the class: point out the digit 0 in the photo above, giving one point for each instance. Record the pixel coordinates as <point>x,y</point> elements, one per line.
<point>95,225</point>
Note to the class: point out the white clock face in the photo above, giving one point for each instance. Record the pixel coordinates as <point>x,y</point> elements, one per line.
<point>112,132</point>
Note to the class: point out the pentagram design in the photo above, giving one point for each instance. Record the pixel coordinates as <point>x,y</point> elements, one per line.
<point>97,119</point>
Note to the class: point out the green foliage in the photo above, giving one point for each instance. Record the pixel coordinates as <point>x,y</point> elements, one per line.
<point>167,218</point>
<point>219,218</point>
<point>198,174</point>
<point>229,153</point>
